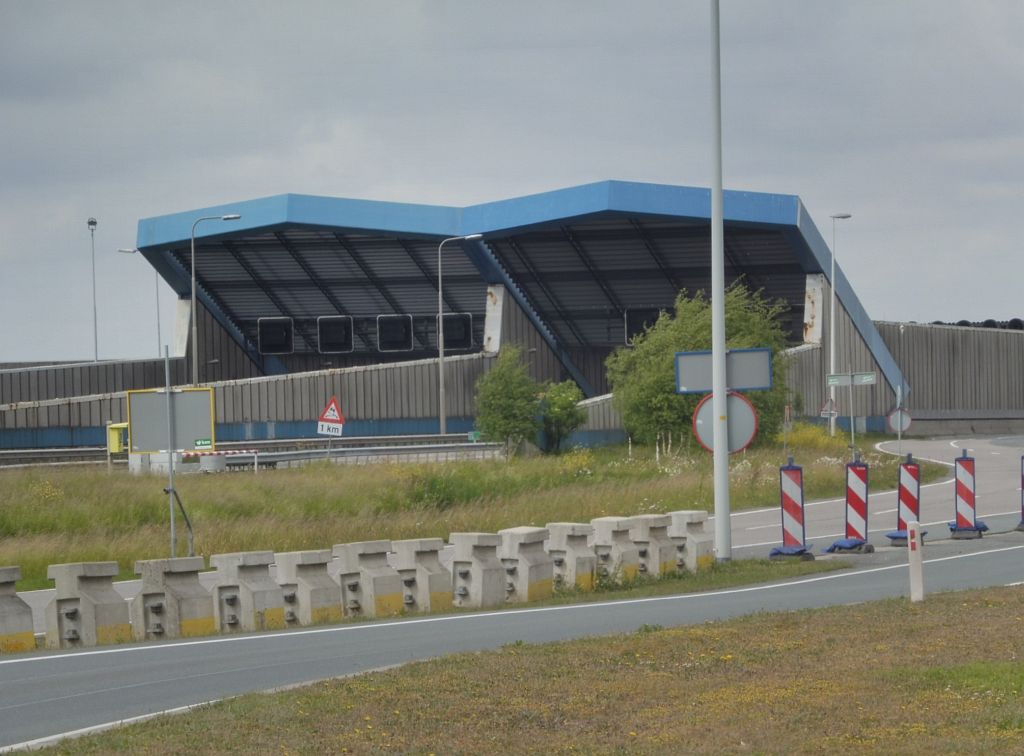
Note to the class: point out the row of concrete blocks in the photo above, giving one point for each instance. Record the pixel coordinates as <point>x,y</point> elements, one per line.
<point>355,580</point>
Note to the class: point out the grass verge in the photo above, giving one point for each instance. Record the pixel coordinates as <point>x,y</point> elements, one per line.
<point>886,676</point>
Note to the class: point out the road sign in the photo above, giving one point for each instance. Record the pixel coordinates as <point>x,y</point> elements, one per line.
<point>742,422</point>
<point>828,409</point>
<point>898,421</point>
<point>332,422</point>
<point>745,370</point>
<point>851,379</point>
<point>193,413</point>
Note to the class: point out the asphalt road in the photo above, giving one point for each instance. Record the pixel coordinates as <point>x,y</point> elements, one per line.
<point>49,693</point>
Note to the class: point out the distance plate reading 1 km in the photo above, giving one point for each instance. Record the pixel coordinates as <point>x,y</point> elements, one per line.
<point>742,422</point>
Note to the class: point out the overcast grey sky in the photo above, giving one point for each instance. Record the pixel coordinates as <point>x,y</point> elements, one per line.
<point>909,115</point>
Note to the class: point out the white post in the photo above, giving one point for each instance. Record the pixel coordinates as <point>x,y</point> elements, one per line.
<point>720,426</point>
<point>95,330</point>
<point>915,558</point>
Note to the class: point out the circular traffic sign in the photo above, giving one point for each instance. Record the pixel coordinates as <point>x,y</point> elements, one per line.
<point>742,422</point>
<point>898,420</point>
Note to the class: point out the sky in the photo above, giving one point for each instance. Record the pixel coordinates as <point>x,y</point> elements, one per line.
<point>909,116</point>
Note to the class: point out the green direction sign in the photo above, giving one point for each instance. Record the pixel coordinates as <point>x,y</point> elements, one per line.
<point>851,379</point>
<point>204,443</point>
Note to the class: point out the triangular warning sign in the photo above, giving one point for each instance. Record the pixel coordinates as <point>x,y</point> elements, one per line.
<point>332,412</point>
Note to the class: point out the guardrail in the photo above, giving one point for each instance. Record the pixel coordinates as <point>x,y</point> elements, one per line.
<point>271,450</point>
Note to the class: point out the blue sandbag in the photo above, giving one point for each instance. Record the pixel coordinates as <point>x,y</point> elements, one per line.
<point>845,544</point>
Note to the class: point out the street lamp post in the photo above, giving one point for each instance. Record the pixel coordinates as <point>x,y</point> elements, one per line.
<point>442,414</point>
<point>95,334</point>
<point>195,327</point>
<point>156,291</point>
<point>832,328</point>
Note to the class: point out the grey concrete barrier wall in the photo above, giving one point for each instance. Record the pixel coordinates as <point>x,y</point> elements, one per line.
<point>16,633</point>
<point>529,570</point>
<point>311,597</point>
<point>574,562</point>
<point>618,559</point>
<point>370,586</point>
<point>695,546</point>
<point>171,603</point>
<point>478,578</point>
<point>426,584</point>
<point>656,550</point>
<point>246,598</point>
<point>85,610</point>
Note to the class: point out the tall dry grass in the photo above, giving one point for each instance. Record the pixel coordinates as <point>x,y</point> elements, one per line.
<point>51,515</point>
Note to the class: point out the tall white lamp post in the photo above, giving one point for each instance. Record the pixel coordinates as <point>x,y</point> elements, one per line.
<point>156,291</point>
<point>442,414</point>
<point>195,327</point>
<point>95,335</point>
<point>832,327</point>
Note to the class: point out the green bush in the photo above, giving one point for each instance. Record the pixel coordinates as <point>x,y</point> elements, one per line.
<point>643,378</point>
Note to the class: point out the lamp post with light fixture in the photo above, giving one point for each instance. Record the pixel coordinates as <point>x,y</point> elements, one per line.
<point>442,414</point>
<point>195,327</point>
<point>832,329</point>
<point>95,333</point>
<point>156,290</point>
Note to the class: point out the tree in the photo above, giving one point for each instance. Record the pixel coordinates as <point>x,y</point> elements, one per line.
<point>508,401</point>
<point>561,413</point>
<point>643,378</point>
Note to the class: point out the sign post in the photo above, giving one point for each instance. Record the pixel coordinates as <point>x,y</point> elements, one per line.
<point>850,379</point>
<point>331,422</point>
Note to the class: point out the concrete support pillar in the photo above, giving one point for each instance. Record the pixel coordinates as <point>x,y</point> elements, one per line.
<point>656,550</point>
<point>16,632</point>
<point>695,547</point>
<point>478,579</point>
<point>85,610</point>
<point>171,602</point>
<point>426,584</point>
<point>246,598</point>
<point>618,560</point>
<point>370,587</point>
<point>310,596</point>
<point>529,571</point>
<point>573,559</point>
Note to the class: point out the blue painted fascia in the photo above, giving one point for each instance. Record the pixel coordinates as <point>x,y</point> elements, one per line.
<point>284,210</point>
<point>520,214</point>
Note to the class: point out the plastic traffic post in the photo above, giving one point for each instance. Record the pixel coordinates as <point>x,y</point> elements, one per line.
<point>915,560</point>
<point>856,536</point>
<point>908,509</point>
<point>794,533</point>
<point>1021,525</point>
<point>965,524</point>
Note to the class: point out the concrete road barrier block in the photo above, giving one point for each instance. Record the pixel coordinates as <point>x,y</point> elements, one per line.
<point>574,563</point>
<point>426,584</point>
<point>246,598</point>
<point>529,571</point>
<point>478,578</point>
<point>370,587</point>
<point>171,603</point>
<point>656,550</point>
<point>85,610</point>
<point>695,546</point>
<point>618,559</point>
<point>311,597</point>
<point>15,615</point>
